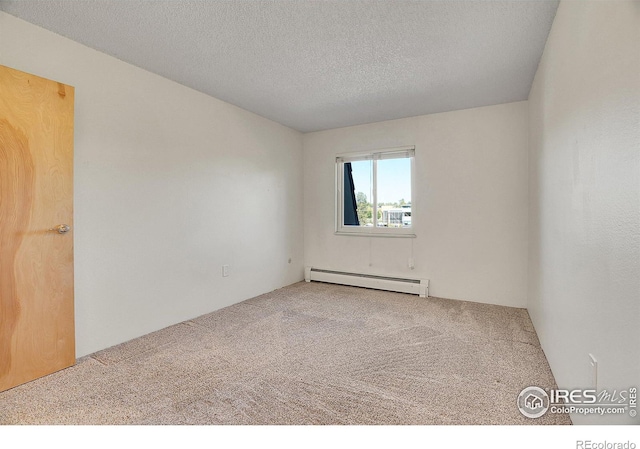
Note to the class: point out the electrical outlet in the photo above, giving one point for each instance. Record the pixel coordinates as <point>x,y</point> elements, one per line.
<point>594,371</point>
<point>225,271</point>
<point>410,263</point>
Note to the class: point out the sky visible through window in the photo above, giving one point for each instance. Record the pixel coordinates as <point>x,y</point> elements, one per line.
<point>394,179</point>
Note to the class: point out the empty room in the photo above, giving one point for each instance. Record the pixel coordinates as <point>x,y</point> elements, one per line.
<point>319,212</point>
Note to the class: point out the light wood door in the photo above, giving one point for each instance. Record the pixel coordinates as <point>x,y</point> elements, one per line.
<point>36,194</point>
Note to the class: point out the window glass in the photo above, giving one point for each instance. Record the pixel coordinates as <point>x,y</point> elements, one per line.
<point>361,191</point>
<point>394,192</point>
<point>374,192</point>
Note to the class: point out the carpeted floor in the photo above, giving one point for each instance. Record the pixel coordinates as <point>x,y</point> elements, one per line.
<point>309,353</point>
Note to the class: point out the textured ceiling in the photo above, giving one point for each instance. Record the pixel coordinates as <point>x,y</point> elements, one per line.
<point>312,64</point>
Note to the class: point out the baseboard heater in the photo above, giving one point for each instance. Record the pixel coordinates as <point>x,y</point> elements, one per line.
<point>395,284</point>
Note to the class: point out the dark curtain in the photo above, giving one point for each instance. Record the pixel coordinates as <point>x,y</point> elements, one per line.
<point>350,213</point>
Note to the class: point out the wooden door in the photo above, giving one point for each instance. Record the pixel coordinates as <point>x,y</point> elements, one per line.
<point>37,334</point>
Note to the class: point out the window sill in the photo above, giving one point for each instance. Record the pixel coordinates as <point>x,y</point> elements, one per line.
<point>376,234</point>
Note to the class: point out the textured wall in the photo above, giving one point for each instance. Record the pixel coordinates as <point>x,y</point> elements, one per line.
<point>584,266</point>
<point>469,210</point>
<point>169,185</point>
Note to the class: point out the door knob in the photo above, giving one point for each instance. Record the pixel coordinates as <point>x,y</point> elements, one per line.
<point>61,229</point>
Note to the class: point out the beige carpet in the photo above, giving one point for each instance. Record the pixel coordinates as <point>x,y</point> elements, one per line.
<point>306,354</point>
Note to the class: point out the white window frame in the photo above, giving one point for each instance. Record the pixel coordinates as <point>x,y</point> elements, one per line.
<point>375,156</point>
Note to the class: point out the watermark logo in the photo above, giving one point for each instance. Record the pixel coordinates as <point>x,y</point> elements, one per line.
<point>588,444</point>
<point>533,402</point>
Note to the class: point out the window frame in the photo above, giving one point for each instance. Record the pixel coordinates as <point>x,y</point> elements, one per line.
<point>375,156</point>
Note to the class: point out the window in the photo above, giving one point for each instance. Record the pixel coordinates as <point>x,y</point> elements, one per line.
<point>374,193</point>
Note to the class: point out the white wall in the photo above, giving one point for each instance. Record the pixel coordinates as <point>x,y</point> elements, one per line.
<point>584,269</point>
<point>470,207</point>
<point>169,185</point>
